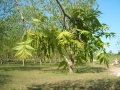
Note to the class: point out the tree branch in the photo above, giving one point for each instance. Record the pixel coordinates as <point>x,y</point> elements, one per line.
<point>21,16</point>
<point>63,10</point>
<point>64,14</point>
<point>74,21</point>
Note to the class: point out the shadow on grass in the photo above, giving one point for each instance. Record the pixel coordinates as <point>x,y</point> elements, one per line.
<point>4,79</point>
<point>101,84</point>
<point>19,68</point>
<point>48,68</point>
<point>28,67</point>
<point>88,69</point>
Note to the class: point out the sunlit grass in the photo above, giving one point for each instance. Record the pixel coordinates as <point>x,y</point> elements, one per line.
<point>35,77</point>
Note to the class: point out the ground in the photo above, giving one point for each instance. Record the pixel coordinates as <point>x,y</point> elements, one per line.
<point>48,77</point>
<point>114,70</point>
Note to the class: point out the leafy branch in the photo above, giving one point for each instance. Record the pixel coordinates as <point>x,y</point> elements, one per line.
<point>64,14</point>
<point>21,15</point>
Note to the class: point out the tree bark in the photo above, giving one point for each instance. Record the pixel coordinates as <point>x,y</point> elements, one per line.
<point>7,53</point>
<point>23,62</point>
<point>41,58</point>
<point>34,60</point>
<point>40,61</point>
<point>70,64</point>
<point>66,15</point>
<point>71,70</point>
<point>8,62</point>
<point>21,15</point>
<point>1,61</point>
<point>50,62</point>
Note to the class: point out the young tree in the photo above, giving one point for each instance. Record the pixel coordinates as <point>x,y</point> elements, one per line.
<point>23,50</point>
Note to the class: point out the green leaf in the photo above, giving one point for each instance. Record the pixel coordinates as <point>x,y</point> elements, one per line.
<point>36,20</point>
<point>28,41</point>
<point>62,64</point>
<point>65,34</point>
<point>21,43</point>
<point>83,31</point>
<point>29,47</point>
<point>18,47</point>
<point>23,49</point>
<point>18,53</point>
<point>101,60</point>
<point>27,52</point>
<point>76,14</point>
<point>98,52</point>
<point>107,35</point>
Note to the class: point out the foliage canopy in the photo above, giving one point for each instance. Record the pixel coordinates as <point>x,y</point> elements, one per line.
<point>70,27</point>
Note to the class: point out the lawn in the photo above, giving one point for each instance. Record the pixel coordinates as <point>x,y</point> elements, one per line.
<point>48,77</point>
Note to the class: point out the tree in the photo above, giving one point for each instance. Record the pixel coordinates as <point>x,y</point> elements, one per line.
<point>23,50</point>
<point>110,52</point>
<point>71,27</point>
<point>78,40</point>
<point>2,38</point>
<point>118,45</point>
<point>12,32</point>
<point>119,53</point>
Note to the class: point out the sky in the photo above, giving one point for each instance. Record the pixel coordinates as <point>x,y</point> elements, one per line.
<point>111,17</point>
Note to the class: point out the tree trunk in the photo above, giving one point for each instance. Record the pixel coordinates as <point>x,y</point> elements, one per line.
<point>7,53</point>
<point>41,57</point>
<point>34,59</point>
<point>8,62</point>
<point>50,61</point>
<point>23,62</point>
<point>40,61</point>
<point>70,64</point>
<point>1,61</point>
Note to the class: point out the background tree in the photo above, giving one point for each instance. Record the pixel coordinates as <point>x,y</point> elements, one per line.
<point>13,32</point>
<point>118,45</point>
<point>23,50</point>
<point>110,52</point>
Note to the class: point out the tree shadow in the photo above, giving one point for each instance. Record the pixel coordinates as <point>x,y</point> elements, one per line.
<point>29,67</point>
<point>20,68</point>
<point>101,84</point>
<point>4,79</point>
<point>88,69</point>
<point>46,68</point>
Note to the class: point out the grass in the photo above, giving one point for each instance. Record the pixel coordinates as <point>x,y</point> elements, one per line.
<point>48,77</point>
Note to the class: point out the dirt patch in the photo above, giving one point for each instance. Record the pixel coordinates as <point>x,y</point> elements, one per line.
<point>114,70</point>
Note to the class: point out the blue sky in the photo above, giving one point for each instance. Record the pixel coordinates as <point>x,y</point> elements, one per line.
<point>111,17</point>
